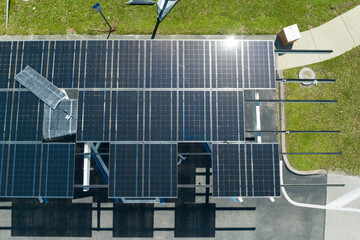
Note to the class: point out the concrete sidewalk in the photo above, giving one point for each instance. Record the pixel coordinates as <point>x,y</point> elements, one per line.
<point>340,35</point>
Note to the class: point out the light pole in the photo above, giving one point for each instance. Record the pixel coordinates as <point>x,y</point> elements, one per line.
<point>98,9</point>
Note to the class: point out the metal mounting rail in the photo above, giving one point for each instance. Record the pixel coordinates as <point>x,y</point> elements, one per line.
<point>296,80</point>
<point>302,51</point>
<point>311,153</point>
<point>291,131</point>
<point>289,101</point>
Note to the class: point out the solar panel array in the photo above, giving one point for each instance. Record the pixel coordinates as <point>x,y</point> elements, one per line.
<point>251,174</point>
<point>142,96</point>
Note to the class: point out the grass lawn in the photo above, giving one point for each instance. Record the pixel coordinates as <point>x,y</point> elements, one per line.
<point>187,17</point>
<point>343,116</point>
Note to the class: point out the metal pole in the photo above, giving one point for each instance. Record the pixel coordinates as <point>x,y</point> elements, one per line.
<point>296,80</point>
<point>155,29</point>
<point>297,51</point>
<point>7,12</point>
<point>312,153</point>
<point>290,131</point>
<point>107,24</point>
<point>289,101</point>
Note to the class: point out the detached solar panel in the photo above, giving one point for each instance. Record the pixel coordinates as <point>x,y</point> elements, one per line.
<point>37,170</point>
<point>60,122</point>
<point>41,87</point>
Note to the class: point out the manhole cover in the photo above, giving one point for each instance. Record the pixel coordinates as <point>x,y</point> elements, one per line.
<point>307,73</point>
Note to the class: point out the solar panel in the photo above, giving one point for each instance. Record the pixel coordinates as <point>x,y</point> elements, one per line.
<point>258,59</point>
<point>27,117</point>
<point>194,64</point>
<point>61,121</point>
<point>225,71</point>
<point>33,170</point>
<point>263,170</point>
<point>41,87</point>
<point>127,116</point>
<point>160,116</point>
<point>143,170</point>
<point>64,71</point>
<point>228,174</point>
<point>160,62</point>
<point>227,116</point>
<point>129,64</point>
<point>255,174</point>
<point>194,116</point>
<point>6,64</point>
<point>95,67</point>
<point>93,116</point>
<point>57,171</point>
<point>5,114</point>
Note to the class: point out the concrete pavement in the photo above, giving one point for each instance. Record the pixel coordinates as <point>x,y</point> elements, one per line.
<point>340,35</point>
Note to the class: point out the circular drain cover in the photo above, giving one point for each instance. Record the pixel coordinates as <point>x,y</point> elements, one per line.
<point>307,73</point>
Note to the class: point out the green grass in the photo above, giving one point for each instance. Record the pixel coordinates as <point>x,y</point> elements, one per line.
<point>187,17</point>
<point>343,116</point>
